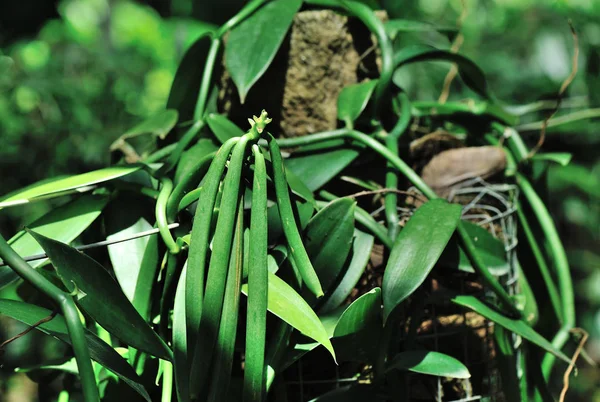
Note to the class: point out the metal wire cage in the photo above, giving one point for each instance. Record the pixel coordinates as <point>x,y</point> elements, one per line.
<point>441,326</point>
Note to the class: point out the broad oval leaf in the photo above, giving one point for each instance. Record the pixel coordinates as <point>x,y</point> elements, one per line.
<point>159,125</point>
<point>100,351</point>
<point>432,363</point>
<point>353,99</point>
<point>393,27</point>
<point>491,251</point>
<point>469,71</point>
<point>519,327</point>
<point>252,45</point>
<point>186,84</point>
<point>417,249</point>
<point>222,127</point>
<point>287,304</point>
<point>68,183</point>
<point>102,298</point>
<point>361,253</point>
<point>64,223</point>
<point>318,163</point>
<point>328,238</point>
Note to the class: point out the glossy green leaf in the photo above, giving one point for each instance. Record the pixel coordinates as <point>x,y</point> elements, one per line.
<point>101,297</point>
<point>159,124</point>
<point>180,348</point>
<point>64,223</point>
<point>328,238</point>
<point>562,158</point>
<point>126,257</point>
<point>61,185</point>
<point>417,249</point>
<point>287,304</point>
<point>189,158</point>
<point>469,71</point>
<point>100,351</point>
<point>222,127</point>
<point>361,253</point>
<point>395,26</point>
<point>519,327</point>
<point>186,84</point>
<point>318,163</point>
<point>247,60</point>
<point>69,366</point>
<point>490,249</point>
<point>431,363</point>
<point>353,99</point>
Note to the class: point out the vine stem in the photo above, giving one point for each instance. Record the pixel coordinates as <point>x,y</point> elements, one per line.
<point>70,312</point>
<point>415,179</point>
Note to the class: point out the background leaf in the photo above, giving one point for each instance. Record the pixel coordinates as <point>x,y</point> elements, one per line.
<point>353,99</point>
<point>417,249</point>
<point>64,223</point>
<point>247,60</point>
<point>104,300</point>
<point>159,125</point>
<point>427,362</point>
<point>222,127</point>
<point>100,351</point>
<point>562,158</point>
<point>393,27</point>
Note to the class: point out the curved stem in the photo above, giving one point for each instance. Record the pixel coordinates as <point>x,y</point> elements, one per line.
<point>161,215</point>
<point>239,17</point>
<point>209,66</point>
<point>189,199</point>
<point>70,312</point>
<point>182,144</point>
<point>161,153</point>
<point>391,181</point>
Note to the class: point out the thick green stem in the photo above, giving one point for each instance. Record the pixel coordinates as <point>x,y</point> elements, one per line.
<point>161,215</point>
<point>69,310</point>
<point>182,144</point>
<point>209,66</point>
<point>167,381</point>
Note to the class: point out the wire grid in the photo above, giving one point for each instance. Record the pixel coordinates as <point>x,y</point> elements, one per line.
<point>446,328</point>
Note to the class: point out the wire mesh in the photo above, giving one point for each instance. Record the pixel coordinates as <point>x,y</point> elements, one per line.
<point>442,326</point>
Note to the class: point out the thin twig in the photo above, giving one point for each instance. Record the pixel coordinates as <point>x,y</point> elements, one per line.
<point>22,334</point>
<point>458,41</point>
<point>561,92</point>
<point>584,337</point>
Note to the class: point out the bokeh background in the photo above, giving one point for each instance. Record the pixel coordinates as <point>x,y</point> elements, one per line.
<point>76,74</point>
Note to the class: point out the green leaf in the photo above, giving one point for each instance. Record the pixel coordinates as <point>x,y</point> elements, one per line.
<point>469,71</point>
<point>100,351</point>
<point>519,327</point>
<point>159,125</point>
<point>328,238</point>
<point>361,253</point>
<point>562,158</point>
<point>465,109</point>
<point>252,45</point>
<point>64,224</point>
<point>490,249</point>
<point>222,127</point>
<point>393,27</point>
<point>189,158</point>
<point>351,393</point>
<point>104,300</point>
<point>432,363</point>
<point>186,84</point>
<point>318,163</point>
<point>180,348</point>
<point>287,304</point>
<point>417,249</point>
<point>353,99</point>
<point>126,257</point>
<point>70,183</point>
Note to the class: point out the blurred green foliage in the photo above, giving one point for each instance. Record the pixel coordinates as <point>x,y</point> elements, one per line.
<point>68,92</point>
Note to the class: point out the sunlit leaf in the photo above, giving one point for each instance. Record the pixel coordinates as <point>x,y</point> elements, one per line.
<point>100,351</point>
<point>247,60</point>
<point>103,298</point>
<point>68,183</point>
<point>353,99</point>
<point>287,304</point>
<point>64,223</point>
<point>417,249</point>
<point>519,327</point>
<point>432,363</point>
